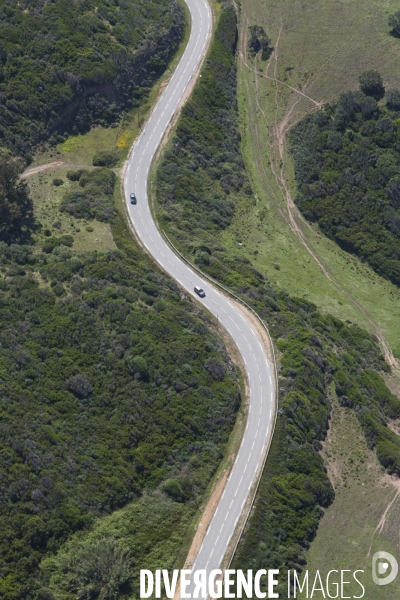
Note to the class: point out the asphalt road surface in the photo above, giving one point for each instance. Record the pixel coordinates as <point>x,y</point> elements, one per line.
<point>261,386</point>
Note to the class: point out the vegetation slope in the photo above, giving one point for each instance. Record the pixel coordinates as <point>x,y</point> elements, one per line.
<point>319,52</point>
<point>65,66</point>
<point>111,383</point>
<point>117,399</point>
<point>315,349</point>
<point>321,49</point>
<point>347,166</point>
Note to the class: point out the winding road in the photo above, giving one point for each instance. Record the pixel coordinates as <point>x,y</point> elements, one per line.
<point>259,371</point>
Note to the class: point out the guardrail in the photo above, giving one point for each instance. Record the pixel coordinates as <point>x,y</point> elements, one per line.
<point>239,299</point>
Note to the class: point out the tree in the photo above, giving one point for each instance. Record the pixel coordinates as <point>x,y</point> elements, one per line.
<point>259,41</point>
<point>216,368</point>
<point>97,569</point>
<point>393,191</point>
<point>393,99</point>
<point>394,23</point>
<point>172,488</point>
<point>139,365</point>
<point>371,84</point>
<point>80,386</point>
<point>45,594</point>
<point>16,208</point>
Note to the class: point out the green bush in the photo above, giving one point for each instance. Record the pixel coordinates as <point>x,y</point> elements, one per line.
<point>172,488</point>
<point>371,83</point>
<point>54,242</point>
<point>106,158</point>
<point>138,365</point>
<point>392,98</point>
<point>45,594</point>
<point>394,23</point>
<point>76,175</point>
<point>151,531</point>
<point>93,199</point>
<point>258,41</point>
<point>97,569</point>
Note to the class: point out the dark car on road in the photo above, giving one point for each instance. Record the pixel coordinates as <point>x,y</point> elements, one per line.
<point>200,292</point>
<point>133,198</point>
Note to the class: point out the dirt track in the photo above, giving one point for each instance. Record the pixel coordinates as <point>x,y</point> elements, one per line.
<point>276,155</point>
<point>41,168</point>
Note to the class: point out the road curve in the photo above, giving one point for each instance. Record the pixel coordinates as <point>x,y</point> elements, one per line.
<point>260,378</point>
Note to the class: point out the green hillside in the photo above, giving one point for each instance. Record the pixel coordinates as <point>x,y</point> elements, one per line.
<point>111,383</point>
<point>117,396</point>
<point>200,189</point>
<point>66,65</point>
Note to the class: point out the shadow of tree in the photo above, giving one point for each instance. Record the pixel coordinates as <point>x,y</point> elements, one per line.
<point>394,23</point>
<point>17,219</point>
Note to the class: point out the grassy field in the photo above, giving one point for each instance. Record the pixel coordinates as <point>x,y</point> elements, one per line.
<point>320,48</point>
<point>348,536</point>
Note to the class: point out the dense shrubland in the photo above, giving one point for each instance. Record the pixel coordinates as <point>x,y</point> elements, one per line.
<point>112,386</point>
<point>347,165</point>
<point>67,65</point>
<point>205,165</point>
<point>145,534</point>
<point>95,569</point>
<point>111,383</point>
<point>64,67</point>
<point>115,395</point>
<point>320,355</point>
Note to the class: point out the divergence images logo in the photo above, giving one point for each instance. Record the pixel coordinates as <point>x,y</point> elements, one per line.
<point>380,565</point>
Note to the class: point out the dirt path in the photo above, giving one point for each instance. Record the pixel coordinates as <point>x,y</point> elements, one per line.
<point>382,520</point>
<point>276,155</point>
<point>41,168</point>
<point>318,104</point>
<point>395,482</point>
